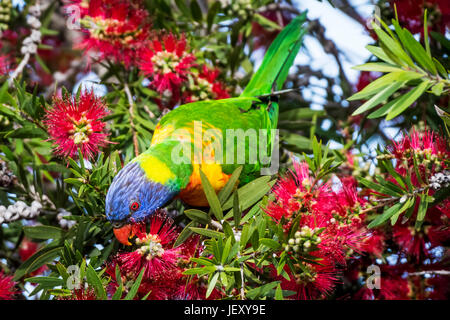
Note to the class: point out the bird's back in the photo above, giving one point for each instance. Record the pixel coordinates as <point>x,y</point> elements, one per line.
<point>212,129</point>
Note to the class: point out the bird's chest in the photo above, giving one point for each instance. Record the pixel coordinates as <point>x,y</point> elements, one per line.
<point>193,193</point>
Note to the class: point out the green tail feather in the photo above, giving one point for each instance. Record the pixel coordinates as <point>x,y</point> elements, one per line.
<point>279,58</point>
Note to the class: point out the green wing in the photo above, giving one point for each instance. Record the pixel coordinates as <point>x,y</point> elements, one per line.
<point>279,58</point>
<point>241,115</point>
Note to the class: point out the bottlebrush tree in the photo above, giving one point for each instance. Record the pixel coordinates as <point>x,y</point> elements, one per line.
<point>321,228</point>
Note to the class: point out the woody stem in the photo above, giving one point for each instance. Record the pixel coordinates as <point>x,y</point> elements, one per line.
<point>131,111</point>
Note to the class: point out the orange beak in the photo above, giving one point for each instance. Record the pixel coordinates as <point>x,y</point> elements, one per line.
<point>124,233</point>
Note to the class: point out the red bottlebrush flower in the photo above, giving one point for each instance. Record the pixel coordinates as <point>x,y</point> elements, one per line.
<point>421,143</point>
<point>81,294</point>
<point>411,241</point>
<point>316,283</point>
<point>26,250</point>
<point>292,192</point>
<point>155,252</point>
<point>330,228</point>
<point>440,287</point>
<point>7,290</point>
<point>164,265</point>
<point>390,289</point>
<point>374,243</point>
<point>117,29</point>
<point>411,12</point>
<point>192,287</point>
<point>77,124</point>
<point>298,193</point>
<point>365,78</point>
<point>5,65</point>
<point>167,64</point>
<point>195,289</point>
<point>394,289</point>
<point>205,86</point>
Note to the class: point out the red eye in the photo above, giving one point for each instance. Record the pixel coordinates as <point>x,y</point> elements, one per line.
<point>134,206</point>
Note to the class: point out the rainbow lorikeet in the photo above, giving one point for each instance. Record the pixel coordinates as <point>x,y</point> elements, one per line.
<point>171,166</point>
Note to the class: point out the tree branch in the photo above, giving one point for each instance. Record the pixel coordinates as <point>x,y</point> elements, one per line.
<point>131,111</point>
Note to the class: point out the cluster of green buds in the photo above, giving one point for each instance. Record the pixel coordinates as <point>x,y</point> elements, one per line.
<point>5,14</point>
<point>81,131</point>
<point>305,275</point>
<point>429,160</point>
<point>305,240</point>
<point>238,8</point>
<point>166,61</point>
<point>105,30</point>
<point>201,88</point>
<point>4,121</point>
<point>424,157</point>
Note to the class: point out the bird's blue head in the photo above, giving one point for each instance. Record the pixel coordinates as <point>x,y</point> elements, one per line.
<point>134,195</point>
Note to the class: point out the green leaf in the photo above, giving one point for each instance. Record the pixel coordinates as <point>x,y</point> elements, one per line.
<point>196,11</point>
<point>437,89</point>
<point>445,116</point>
<point>200,271</point>
<point>421,211</point>
<point>42,63</point>
<point>226,250</point>
<point>441,38</point>
<point>250,193</point>
<point>378,67</point>
<point>44,232</point>
<point>212,13</point>
<point>46,282</point>
<point>186,233</point>
<point>415,49</point>
<point>27,132</point>
<point>279,293</point>
<point>379,53</point>
<point>134,288</point>
<point>300,113</point>
<point>212,284</point>
<point>237,214</point>
<point>261,291</point>
<point>379,98</point>
<point>211,195</point>
<point>407,100</point>
<point>425,33</point>
<point>375,86</point>
<point>386,215</point>
<point>94,280</point>
<point>270,243</point>
<point>409,202</point>
<point>384,110</point>
<point>267,23</point>
<point>118,294</point>
<point>393,45</point>
<point>198,215</point>
<point>225,192</point>
<point>379,188</point>
<point>37,260</point>
<point>298,141</point>
<point>208,233</point>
